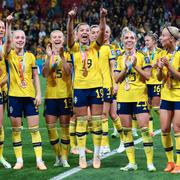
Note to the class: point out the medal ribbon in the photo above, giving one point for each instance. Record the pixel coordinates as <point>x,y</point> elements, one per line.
<point>84,55</point>
<point>129,66</point>
<point>22,68</point>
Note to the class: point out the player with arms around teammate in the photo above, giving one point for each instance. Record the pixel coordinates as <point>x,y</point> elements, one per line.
<point>58,102</point>
<point>132,71</point>
<point>24,94</point>
<point>169,73</point>
<point>153,85</point>
<point>87,83</point>
<point>3,87</point>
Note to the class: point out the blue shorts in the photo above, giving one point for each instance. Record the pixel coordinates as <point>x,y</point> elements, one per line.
<point>170,105</point>
<point>87,97</point>
<point>1,98</point>
<point>132,107</point>
<point>154,90</point>
<point>58,107</point>
<point>5,97</point>
<point>107,95</point>
<point>22,105</point>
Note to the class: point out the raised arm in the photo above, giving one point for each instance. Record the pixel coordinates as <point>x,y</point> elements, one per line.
<point>65,65</point>
<point>102,26</point>
<point>160,75</point>
<point>70,28</point>
<point>45,70</point>
<point>7,44</point>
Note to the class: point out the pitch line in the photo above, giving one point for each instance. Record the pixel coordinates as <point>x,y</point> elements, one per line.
<point>77,169</point>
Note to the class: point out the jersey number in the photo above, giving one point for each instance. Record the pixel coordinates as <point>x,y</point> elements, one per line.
<point>58,73</point>
<point>157,88</point>
<point>89,62</point>
<point>99,93</point>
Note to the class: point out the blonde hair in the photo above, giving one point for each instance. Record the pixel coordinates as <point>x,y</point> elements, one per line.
<point>58,31</point>
<point>16,31</point>
<point>174,32</point>
<point>127,31</point>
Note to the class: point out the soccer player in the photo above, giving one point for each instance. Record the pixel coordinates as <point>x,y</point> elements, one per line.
<point>107,63</point>
<point>24,94</point>
<point>131,73</point>
<point>87,83</point>
<point>3,86</point>
<point>94,31</point>
<point>153,85</point>
<point>169,73</point>
<point>58,99</point>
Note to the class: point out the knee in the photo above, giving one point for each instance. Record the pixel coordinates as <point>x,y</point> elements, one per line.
<point>104,115</point>
<point>113,115</point>
<point>176,128</point>
<point>165,129</point>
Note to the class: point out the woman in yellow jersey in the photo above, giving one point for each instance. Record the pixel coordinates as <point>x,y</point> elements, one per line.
<point>72,126</point>
<point>3,85</point>
<point>24,94</point>
<point>87,83</point>
<point>132,71</point>
<point>107,61</point>
<point>58,99</point>
<point>153,85</point>
<point>169,73</point>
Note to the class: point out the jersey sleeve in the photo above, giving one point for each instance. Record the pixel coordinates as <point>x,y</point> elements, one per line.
<point>112,55</point>
<point>118,65</point>
<point>33,59</point>
<point>146,62</point>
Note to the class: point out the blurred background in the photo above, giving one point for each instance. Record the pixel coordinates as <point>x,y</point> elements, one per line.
<point>39,17</point>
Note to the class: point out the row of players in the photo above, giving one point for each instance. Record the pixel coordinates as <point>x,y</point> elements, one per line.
<point>96,74</point>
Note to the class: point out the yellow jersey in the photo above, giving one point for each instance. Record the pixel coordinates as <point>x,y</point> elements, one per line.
<point>106,55</point>
<point>93,77</point>
<point>154,56</point>
<point>173,93</point>
<point>15,82</point>
<point>63,85</point>
<point>137,91</point>
<point>3,71</point>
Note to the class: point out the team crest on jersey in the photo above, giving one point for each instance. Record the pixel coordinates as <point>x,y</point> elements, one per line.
<point>147,60</point>
<point>75,100</point>
<point>112,52</point>
<point>118,52</point>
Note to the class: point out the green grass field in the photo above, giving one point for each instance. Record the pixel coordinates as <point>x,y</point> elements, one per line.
<point>110,166</point>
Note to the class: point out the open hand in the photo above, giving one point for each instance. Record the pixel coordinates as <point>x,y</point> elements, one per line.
<point>48,50</point>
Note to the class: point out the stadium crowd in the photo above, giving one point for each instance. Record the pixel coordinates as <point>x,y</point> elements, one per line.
<point>38,18</point>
